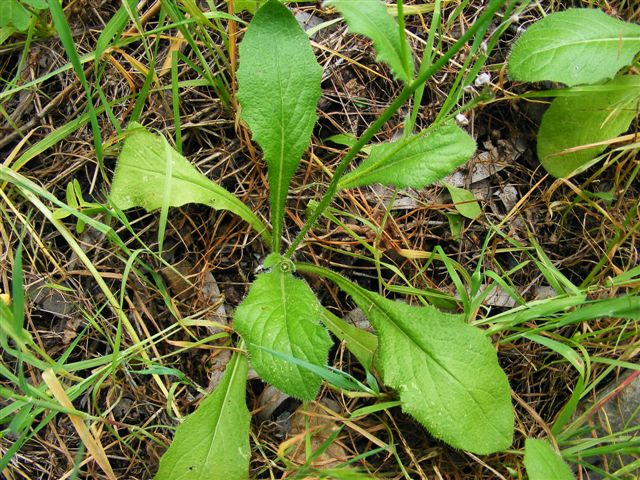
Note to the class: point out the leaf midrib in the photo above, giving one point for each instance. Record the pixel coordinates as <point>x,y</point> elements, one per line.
<point>278,209</point>
<point>208,185</point>
<point>224,407</point>
<point>583,42</point>
<point>437,362</point>
<point>384,163</point>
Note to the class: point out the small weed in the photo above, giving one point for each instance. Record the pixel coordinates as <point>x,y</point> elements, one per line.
<point>280,321</point>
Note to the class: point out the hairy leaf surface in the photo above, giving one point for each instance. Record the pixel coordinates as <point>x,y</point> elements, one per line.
<point>445,370</point>
<point>213,442</point>
<point>370,18</point>
<point>543,463</point>
<point>149,171</point>
<point>281,313</point>
<point>279,87</point>
<point>590,115</point>
<point>574,47</point>
<point>415,161</point>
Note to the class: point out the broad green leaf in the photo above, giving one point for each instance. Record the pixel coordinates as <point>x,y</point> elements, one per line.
<point>543,463</point>
<point>594,115</point>
<point>281,313</point>
<point>360,343</point>
<point>249,5</point>
<point>213,442</point>
<point>37,4</point>
<point>370,18</point>
<point>445,370</point>
<point>573,47</point>
<point>415,161</point>
<point>141,179</point>
<point>278,89</point>
<point>464,201</point>
<point>333,376</point>
<point>13,14</point>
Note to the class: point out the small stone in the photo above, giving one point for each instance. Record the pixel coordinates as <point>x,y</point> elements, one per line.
<point>462,119</point>
<point>482,79</point>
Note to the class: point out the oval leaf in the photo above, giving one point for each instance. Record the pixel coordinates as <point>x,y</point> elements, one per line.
<point>370,18</point>
<point>464,201</point>
<point>414,161</point>
<point>140,180</point>
<point>279,87</point>
<point>213,442</point>
<point>12,14</point>
<point>543,463</point>
<point>281,314</point>
<point>573,47</point>
<point>445,370</point>
<point>594,115</point>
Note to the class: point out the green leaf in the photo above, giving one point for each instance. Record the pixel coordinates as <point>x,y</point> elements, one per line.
<point>346,139</point>
<point>279,87</point>
<point>414,161</point>
<point>213,442</point>
<point>455,225</point>
<point>445,370</point>
<point>370,18</point>
<point>543,463</point>
<point>333,376</point>
<point>464,201</point>
<point>360,343</point>
<point>249,5</point>
<point>13,14</point>
<point>573,47</point>
<point>193,10</point>
<point>141,179</point>
<point>17,294</point>
<point>591,115</point>
<point>281,313</point>
<point>113,29</point>
<point>37,4</point>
